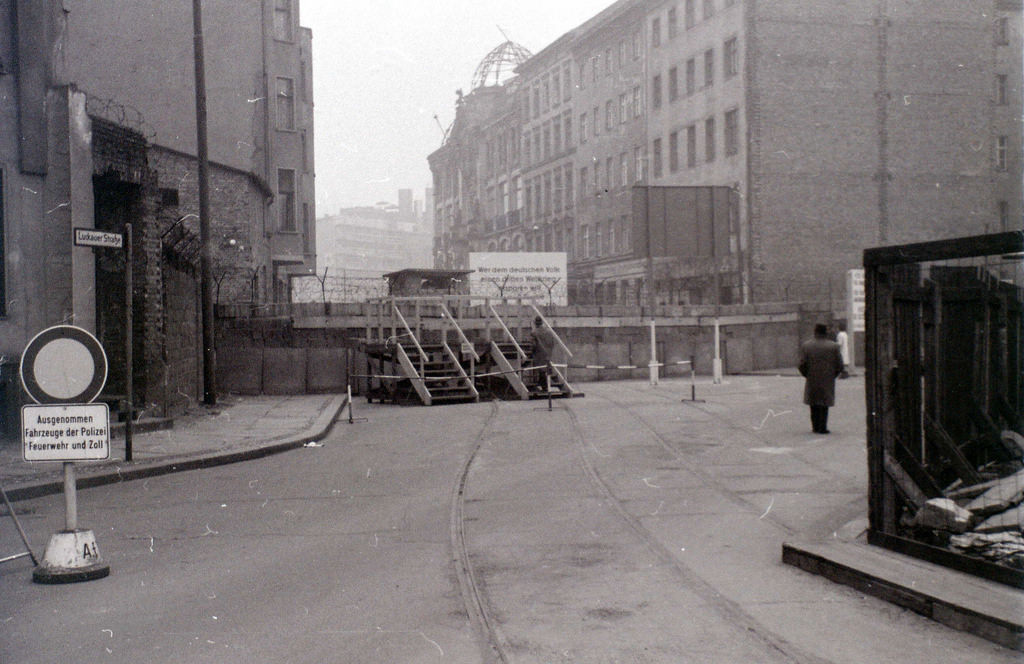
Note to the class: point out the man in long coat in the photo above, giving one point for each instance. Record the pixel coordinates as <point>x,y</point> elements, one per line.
<point>820,363</point>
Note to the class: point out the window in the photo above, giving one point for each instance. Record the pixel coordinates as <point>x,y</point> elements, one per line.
<point>1001,143</point>
<point>673,23</point>
<point>731,64</point>
<point>609,115</point>
<point>1002,31</point>
<point>558,191</point>
<point>536,100</point>
<point>709,67</point>
<point>656,91</point>
<point>732,145</point>
<point>286,199</point>
<point>583,77</point>
<point>691,76</point>
<point>673,152</point>
<point>556,89</point>
<point>709,139</point>
<point>623,169</point>
<point>595,67</point>
<point>673,84</point>
<point>709,9</point>
<point>545,96</point>
<point>691,146</point>
<point>584,181</point>
<point>638,108</point>
<point>598,235</point>
<point>656,32</point>
<point>285,104</point>
<point>638,164</point>
<point>622,52</point>
<point>606,241</point>
<point>583,128</point>
<point>567,81</point>
<point>594,116</point>
<point>609,63</point>
<point>567,121</point>
<point>624,113</point>
<point>1001,89</point>
<point>537,154</point>
<point>570,245</point>
<point>528,211</point>
<point>556,133</point>
<point>585,240</point>
<point>690,13</point>
<point>609,172</point>
<point>636,45</point>
<point>283,24</point>
<point>547,140</point>
<point>624,235</point>
<point>527,156</point>
<point>570,195</point>
<point>609,242</point>
<point>597,176</point>
<point>1004,216</point>
<point>656,149</point>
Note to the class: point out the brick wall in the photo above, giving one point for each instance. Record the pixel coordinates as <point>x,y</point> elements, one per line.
<point>237,220</point>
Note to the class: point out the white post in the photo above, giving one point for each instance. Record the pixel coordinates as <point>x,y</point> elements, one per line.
<point>716,363</point>
<point>654,356</point>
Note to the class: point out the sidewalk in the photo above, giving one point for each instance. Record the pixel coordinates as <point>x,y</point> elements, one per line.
<point>236,429</point>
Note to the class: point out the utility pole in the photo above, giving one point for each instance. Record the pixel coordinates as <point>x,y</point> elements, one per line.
<point>206,258</point>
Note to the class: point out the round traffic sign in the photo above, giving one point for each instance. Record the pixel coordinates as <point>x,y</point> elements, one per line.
<point>63,364</point>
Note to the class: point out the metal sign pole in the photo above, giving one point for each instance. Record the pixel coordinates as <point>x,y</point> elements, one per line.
<point>21,532</point>
<point>128,343</point>
<point>70,497</point>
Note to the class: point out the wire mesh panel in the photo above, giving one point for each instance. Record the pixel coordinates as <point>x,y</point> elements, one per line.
<point>945,395</point>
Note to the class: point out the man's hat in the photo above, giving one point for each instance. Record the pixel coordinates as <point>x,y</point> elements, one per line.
<point>538,321</point>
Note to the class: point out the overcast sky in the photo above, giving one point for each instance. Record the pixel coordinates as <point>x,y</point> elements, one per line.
<point>383,68</point>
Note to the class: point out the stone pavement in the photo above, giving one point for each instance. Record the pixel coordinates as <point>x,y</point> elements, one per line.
<point>235,429</point>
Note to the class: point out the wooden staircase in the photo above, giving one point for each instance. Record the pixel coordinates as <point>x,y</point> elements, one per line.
<point>417,362</point>
<point>436,373</point>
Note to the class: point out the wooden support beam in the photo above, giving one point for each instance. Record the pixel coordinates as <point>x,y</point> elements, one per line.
<point>963,468</point>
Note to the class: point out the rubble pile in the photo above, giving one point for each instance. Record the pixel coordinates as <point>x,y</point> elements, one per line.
<point>984,519</point>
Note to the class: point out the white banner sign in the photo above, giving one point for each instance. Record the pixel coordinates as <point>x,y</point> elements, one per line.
<point>535,274</point>
<point>65,432</point>
<point>855,299</point>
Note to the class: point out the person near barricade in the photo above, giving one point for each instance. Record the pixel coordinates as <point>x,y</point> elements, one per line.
<point>843,340</point>
<point>543,339</point>
<point>820,364</point>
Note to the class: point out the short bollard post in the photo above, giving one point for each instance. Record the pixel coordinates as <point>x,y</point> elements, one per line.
<point>549,386</point>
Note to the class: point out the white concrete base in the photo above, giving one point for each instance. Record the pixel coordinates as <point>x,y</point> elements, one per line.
<point>70,556</point>
<point>716,371</point>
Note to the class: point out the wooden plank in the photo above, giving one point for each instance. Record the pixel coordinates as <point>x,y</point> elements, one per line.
<point>961,466</point>
<point>906,485</point>
<point>964,247</point>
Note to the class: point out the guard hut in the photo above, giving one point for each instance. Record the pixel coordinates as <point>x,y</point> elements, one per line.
<point>416,282</point>
<point>945,390</point>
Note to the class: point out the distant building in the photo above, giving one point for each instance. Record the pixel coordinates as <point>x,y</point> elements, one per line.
<point>838,126</point>
<point>374,240</point>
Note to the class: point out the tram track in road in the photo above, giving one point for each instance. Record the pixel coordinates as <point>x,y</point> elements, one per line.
<point>728,609</point>
<point>491,642</point>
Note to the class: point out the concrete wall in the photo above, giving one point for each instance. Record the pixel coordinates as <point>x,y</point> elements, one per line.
<point>307,351</point>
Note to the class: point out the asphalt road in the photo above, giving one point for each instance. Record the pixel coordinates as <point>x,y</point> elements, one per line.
<point>623,527</point>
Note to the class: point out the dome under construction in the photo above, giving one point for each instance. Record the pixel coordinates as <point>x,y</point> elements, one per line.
<point>500,64</point>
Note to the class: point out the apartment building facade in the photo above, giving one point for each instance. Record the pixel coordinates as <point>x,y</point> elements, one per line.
<point>97,130</point>
<point>837,126</point>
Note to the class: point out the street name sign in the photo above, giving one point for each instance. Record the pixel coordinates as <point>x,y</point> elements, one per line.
<point>88,237</point>
<point>70,432</point>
